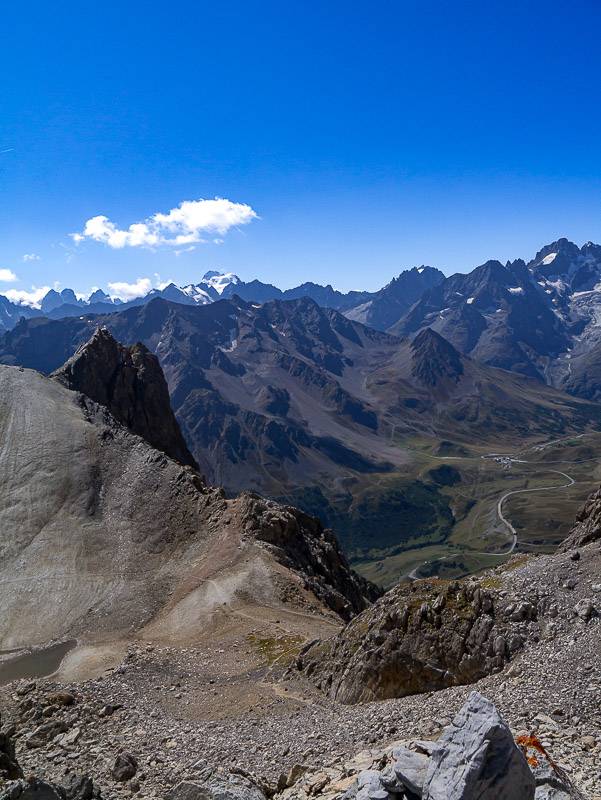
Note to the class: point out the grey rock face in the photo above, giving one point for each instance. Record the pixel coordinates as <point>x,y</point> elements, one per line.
<point>45,733</point>
<point>77,787</point>
<point>230,787</point>
<point>130,383</point>
<point>410,769</point>
<point>550,793</point>
<point>80,787</point>
<point>477,759</point>
<point>370,786</point>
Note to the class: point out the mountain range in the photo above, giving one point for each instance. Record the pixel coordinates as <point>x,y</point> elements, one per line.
<point>298,402</point>
<point>375,308</point>
<point>532,318</point>
<point>539,318</point>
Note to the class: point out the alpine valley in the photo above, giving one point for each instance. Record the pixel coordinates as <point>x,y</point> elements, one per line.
<point>428,424</point>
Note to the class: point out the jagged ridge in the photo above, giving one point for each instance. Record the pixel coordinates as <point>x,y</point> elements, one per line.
<point>129,381</point>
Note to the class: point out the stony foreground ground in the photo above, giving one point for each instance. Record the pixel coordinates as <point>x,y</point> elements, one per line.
<point>227,703</point>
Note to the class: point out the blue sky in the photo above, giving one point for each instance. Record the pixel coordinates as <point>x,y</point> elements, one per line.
<point>366,137</point>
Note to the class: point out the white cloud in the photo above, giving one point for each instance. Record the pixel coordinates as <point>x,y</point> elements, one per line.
<point>7,276</point>
<point>160,283</point>
<point>31,257</point>
<point>25,298</point>
<point>129,291</point>
<point>184,225</point>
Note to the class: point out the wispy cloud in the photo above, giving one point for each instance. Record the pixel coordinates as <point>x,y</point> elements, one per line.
<point>189,249</point>
<point>129,291</point>
<point>181,226</point>
<point>31,257</point>
<point>32,298</point>
<point>7,276</point>
<point>160,283</point>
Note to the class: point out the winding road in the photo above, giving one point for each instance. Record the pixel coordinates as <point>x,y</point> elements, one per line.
<point>414,574</point>
<point>508,524</point>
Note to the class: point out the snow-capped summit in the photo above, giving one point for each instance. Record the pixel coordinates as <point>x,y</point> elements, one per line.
<point>219,280</point>
<point>197,293</point>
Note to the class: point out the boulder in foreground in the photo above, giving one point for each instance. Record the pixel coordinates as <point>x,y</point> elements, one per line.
<point>476,758</point>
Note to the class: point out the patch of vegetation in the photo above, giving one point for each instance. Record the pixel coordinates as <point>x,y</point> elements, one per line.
<point>491,582</point>
<point>313,501</point>
<point>463,506</point>
<point>277,649</point>
<point>515,563</point>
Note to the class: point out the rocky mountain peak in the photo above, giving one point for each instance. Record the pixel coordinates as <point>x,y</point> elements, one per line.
<point>561,247</point>
<point>99,296</point>
<point>562,268</point>
<point>53,299</point>
<point>412,283</point>
<point>435,359</point>
<point>130,383</point>
<point>490,277</point>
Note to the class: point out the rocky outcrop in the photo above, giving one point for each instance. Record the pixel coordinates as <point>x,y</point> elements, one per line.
<point>129,381</point>
<point>421,638</point>
<point>588,524</point>
<point>300,542</point>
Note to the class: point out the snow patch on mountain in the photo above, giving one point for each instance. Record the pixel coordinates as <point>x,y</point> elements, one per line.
<point>220,280</point>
